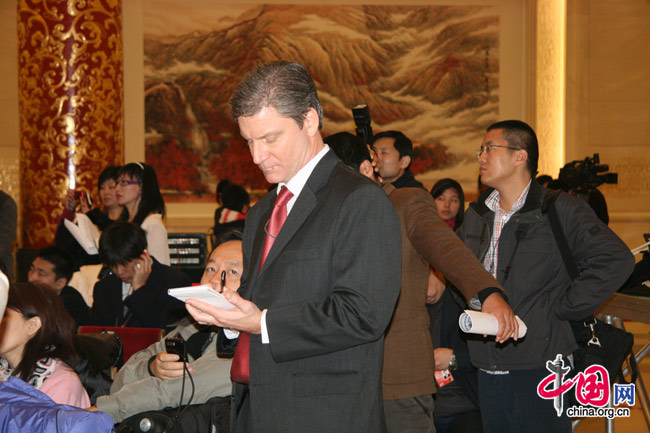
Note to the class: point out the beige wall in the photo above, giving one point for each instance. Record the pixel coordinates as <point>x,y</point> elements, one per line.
<point>607,90</point>
<point>608,103</point>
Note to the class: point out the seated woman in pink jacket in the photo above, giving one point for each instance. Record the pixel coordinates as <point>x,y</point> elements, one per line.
<point>36,344</point>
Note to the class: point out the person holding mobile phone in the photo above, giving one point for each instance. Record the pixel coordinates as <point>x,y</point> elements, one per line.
<point>108,211</point>
<point>79,201</point>
<point>135,294</point>
<point>157,371</point>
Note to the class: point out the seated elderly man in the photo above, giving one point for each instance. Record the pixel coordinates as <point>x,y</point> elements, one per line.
<point>152,378</point>
<point>135,294</point>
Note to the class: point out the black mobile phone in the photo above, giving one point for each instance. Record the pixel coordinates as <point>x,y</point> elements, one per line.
<point>176,345</point>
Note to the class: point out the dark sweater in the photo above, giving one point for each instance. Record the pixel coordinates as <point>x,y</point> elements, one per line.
<point>407,180</point>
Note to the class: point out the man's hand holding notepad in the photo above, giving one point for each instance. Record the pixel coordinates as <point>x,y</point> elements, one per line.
<point>203,293</point>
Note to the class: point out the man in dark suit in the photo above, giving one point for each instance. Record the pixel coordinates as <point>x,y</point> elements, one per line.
<point>54,267</point>
<point>135,294</point>
<point>316,307</point>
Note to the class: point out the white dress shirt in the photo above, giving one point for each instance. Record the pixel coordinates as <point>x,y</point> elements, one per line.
<point>295,185</point>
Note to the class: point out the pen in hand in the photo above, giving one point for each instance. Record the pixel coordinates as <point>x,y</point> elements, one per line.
<point>223,281</point>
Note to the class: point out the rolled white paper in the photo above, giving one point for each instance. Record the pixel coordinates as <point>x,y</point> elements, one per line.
<point>4,291</point>
<point>475,322</point>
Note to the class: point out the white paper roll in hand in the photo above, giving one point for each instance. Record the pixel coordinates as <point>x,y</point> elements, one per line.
<point>475,322</point>
<point>4,291</point>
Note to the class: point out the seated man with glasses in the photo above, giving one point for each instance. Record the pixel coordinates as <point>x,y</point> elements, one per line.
<point>53,267</point>
<point>154,372</point>
<point>135,294</point>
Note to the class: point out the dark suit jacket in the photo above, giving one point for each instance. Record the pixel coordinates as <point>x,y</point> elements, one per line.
<point>329,283</point>
<point>75,305</point>
<point>150,306</point>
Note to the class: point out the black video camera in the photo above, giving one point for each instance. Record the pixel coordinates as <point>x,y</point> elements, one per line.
<point>583,176</point>
<point>361,115</point>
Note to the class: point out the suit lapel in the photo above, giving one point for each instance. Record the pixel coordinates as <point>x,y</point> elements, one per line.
<point>302,208</point>
<point>265,206</point>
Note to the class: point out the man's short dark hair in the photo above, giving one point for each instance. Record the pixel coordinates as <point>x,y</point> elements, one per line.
<point>520,135</point>
<point>120,243</point>
<point>348,148</point>
<point>226,236</point>
<point>403,144</point>
<point>61,259</point>
<point>287,87</point>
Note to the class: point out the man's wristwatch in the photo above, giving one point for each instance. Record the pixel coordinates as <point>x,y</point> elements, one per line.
<point>452,361</point>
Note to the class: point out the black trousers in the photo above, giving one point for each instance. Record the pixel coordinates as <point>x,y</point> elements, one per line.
<point>509,403</point>
<point>240,409</point>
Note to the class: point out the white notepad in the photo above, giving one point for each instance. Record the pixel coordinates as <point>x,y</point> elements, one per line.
<point>203,293</point>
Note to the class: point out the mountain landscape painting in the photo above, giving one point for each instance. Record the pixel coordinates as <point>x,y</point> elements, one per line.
<point>431,72</point>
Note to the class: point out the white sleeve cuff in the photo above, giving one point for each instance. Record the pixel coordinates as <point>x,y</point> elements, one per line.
<point>265,332</point>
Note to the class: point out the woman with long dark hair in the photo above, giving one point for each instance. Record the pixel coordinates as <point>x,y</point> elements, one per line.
<point>450,201</point>
<point>36,344</point>
<point>137,190</point>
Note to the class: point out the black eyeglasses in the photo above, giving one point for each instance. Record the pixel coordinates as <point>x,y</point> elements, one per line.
<point>487,149</point>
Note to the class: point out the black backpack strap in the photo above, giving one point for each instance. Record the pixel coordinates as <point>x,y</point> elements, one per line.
<point>548,206</point>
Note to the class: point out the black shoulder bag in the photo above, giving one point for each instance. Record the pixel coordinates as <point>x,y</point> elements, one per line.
<point>598,342</point>
<point>212,416</point>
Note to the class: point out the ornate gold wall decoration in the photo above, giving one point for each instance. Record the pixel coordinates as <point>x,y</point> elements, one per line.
<point>71,104</point>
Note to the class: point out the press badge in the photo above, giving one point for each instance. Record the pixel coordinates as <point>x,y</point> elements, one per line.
<point>443,377</point>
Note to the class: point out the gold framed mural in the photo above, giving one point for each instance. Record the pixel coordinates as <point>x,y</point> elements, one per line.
<point>431,71</point>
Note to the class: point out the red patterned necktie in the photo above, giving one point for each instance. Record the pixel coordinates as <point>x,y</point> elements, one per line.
<point>239,372</point>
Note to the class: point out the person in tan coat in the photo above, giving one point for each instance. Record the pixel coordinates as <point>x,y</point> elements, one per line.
<point>408,369</point>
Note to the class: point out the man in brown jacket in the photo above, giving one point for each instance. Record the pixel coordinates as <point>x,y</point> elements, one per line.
<point>408,370</point>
